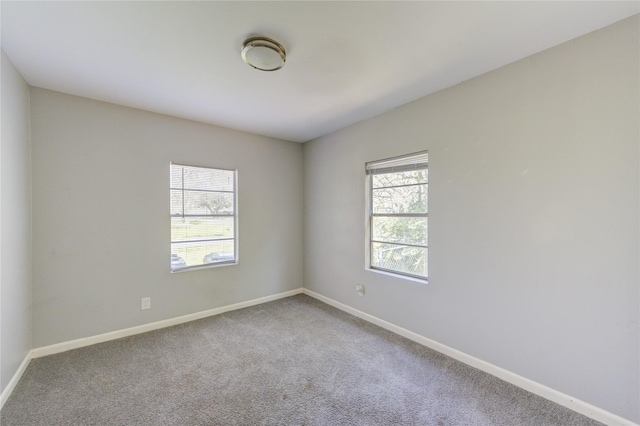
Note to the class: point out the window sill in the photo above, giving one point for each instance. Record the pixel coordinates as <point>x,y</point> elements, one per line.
<point>404,277</point>
<point>200,267</point>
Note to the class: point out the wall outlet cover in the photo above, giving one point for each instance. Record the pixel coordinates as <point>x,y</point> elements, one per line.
<point>145,303</point>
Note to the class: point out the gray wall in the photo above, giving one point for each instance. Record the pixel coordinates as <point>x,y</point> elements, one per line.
<point>533,221</point>
<point>15,223</point>
<point>101,221</point>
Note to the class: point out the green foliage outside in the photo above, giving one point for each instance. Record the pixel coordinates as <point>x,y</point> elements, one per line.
<point>403,193</point>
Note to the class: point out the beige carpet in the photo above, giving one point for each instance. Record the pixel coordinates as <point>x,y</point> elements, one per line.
<point>295,361</point>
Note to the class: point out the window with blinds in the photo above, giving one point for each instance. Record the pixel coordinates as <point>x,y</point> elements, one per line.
<point>203,217</point>
<point>398,215</point>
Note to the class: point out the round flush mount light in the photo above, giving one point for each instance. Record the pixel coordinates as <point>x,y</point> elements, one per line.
<point>263,54</point>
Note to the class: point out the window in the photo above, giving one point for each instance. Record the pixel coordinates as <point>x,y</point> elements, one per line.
<point>397,193</point>
<point>203,217</point>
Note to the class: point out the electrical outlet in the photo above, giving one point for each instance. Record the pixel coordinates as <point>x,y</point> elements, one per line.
<point>360,289</point>
<point>145,303</point>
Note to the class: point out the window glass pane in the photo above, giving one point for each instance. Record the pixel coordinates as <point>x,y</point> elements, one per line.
<point>400,178</point>
<point>194,228</point>
<point>407,230</point>
<point>203,178</point>
<point>208,179</point>
<point>404,199</point>
<point>203,217</point>
<point>176,176</point>
<point>193,254</point>
<point>410,260</point>
<point>201,203</point>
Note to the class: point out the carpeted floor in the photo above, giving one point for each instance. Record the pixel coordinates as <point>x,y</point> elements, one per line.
<point>295,361</point>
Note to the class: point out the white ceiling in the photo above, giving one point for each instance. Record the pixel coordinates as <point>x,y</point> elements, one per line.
<point>346,61</point>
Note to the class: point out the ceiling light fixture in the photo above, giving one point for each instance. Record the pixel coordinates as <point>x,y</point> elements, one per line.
<point>263,54</point>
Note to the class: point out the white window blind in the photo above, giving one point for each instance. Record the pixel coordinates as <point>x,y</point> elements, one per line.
<point>203,217</point>
<point>398,214</point>
<point>409,162</point>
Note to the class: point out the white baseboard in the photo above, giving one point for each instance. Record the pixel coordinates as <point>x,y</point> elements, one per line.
<point>14,380</point>
<point>87,341</point>
<point>546,392</point>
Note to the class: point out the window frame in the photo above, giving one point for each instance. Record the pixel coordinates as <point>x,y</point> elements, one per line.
<point>233,261</point>
<point>370,171</point>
